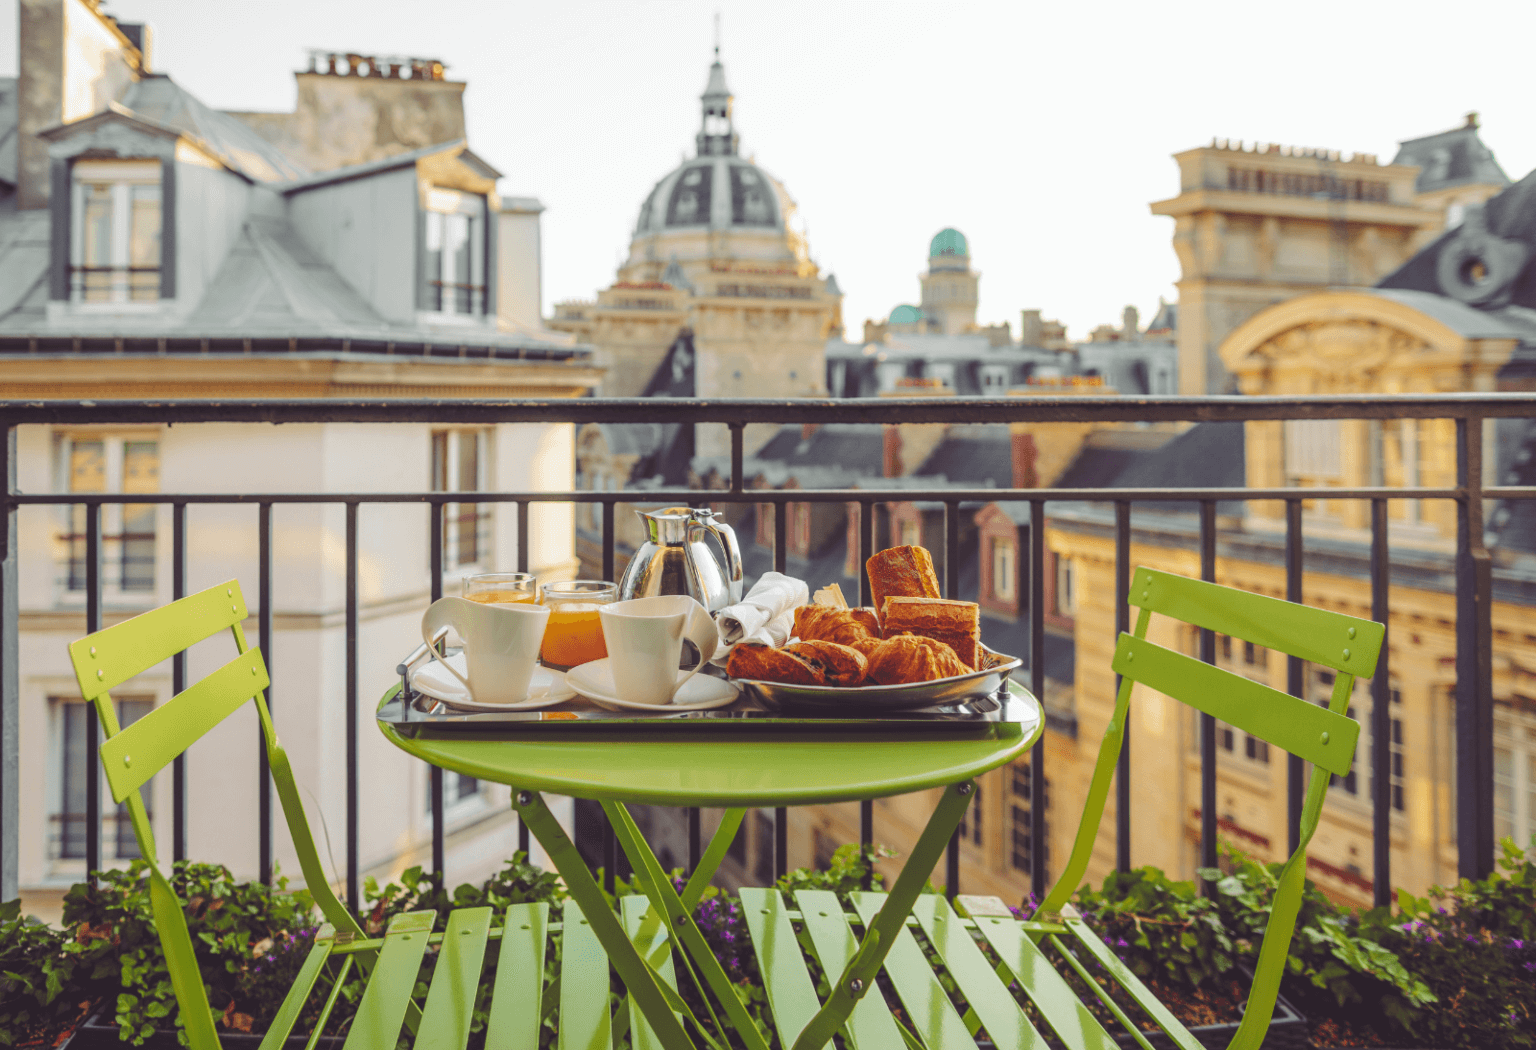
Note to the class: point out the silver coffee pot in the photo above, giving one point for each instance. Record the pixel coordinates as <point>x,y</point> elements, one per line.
<point>675,559</point>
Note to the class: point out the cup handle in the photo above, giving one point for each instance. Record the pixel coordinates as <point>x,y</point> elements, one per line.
<point>439,615</point>
<point>702,632</point>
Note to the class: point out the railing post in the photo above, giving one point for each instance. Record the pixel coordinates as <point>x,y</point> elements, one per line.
<point>179,683</point>
<point>1295,676</point>
<point>1474,661</point>
<point>866,551</point>
<point>1122,625</point>
<point>523,844</point>
<point>435,774</point>
<point>354,898</point>
<point>610,841</point>
<point>92,722</point>
<point>264,636</point>
<point>1207,723</point>
<point>1038,873</point>
<point>952,589</point>
<point>1381,712</point>
<point>780,562</point>
<point>10,680</point>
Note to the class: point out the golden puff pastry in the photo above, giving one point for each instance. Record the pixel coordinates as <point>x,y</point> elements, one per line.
<point>767,664</point>
<point>905,572</point>
<point>956,624</point>
<point>909,658</point>
<point>842,665</point>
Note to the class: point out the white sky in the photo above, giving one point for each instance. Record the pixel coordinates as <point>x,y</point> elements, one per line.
<point>1041,131</point>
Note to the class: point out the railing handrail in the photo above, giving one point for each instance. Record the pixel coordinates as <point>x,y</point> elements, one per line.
<point>786,411</point>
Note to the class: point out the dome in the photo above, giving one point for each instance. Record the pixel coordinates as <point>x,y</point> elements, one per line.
<point>905,314</point>
<point>948,241</point>
<point>714,192</point>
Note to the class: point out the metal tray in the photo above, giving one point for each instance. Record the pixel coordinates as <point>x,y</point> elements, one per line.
<point>414,714</point>
<point>868,699</point>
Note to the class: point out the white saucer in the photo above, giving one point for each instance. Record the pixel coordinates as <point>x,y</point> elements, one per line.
<point>545,689</point>
<point>594,681</point>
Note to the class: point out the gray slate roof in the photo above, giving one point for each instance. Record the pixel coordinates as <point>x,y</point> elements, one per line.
<point>8,137</point>
<point>161,100</point>
<point>1450,158</point>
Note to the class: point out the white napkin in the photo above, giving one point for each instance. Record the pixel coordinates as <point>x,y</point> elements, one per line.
<point>766,615</point>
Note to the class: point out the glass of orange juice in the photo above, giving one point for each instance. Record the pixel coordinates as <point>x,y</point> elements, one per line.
<point>574,634</point>
<point>502,588</point>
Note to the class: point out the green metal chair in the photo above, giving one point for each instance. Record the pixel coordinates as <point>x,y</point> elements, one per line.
<point>1034,954</point>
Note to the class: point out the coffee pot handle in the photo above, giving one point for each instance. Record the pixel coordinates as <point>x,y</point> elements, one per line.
<point>727,537</point>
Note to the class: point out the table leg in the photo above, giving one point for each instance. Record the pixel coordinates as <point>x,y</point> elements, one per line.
<point>859,976</point>
<point>649,992</point>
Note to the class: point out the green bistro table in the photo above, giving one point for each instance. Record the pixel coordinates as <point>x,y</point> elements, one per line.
<point>736,765</point>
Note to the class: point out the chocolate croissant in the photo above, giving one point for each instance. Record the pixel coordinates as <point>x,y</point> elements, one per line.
<point>903,571</point>
<point>842,665</point>
<point>909,658</point>
<point>767,664</point>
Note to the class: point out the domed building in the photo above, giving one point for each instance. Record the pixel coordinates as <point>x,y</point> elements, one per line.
<point>950,285</point>
<point>719,296</point>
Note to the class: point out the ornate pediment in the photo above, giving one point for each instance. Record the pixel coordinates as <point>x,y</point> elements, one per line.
<point>1333,355</point>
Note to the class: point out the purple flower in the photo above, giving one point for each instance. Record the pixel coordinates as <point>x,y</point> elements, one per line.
<point>1516,943</point>
<point>1530,967</point>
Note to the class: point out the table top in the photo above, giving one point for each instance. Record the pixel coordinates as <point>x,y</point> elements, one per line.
<point>727,768</point>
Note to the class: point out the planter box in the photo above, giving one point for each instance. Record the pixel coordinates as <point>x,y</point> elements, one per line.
<point>1288,1030</point>
<point>100,1033</point>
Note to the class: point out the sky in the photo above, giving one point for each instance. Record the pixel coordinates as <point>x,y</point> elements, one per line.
<point>1042,131</point>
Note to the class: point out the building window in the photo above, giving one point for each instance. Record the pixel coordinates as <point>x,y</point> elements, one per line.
<point>115,232</point>
<point>1514,773</point>
<point>800,528</point>
<point>1005,569</point>
<point>909,532</point>
<point>1312,449</point>
<point>1066,587</point>
<point>972,820</point>
<point>1350,783</point>
<point>453,253</point>
<point>107,463</point>
<point>1021,853</point>
<point>74,759</point>
<point>459,465</point>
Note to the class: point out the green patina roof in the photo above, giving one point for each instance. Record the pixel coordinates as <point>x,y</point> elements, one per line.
<point>905,314</point>
<point>948,241</point>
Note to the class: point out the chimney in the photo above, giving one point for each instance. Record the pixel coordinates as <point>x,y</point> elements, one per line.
<point>1031,328</point>
<point>891,453</point>
<point>519,264</point>
<point>1022,447</point>
<point>1130,319</point>
<point>142,35</point>
<point>102,66</point>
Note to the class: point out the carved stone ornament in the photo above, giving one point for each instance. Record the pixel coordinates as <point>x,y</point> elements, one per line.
<point>1479,267</point>
<point>1336,355</point>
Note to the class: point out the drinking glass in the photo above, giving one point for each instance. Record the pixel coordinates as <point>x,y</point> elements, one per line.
<point>502,588</point>
<point>575,634</point>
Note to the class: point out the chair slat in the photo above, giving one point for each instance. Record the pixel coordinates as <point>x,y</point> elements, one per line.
<point>381,1014</point>
<point>870,1026</point>
<point>516,998</point>
<point>1000,1015</point>
<point>650,939</point>
<point>298,995</point>
<point>791,995</point>
<point>1314,733</point>
<point>1316,635</point>
<point>932,1014</point>
<point>108,658</point>
<point>1046,988</point>
<point>136,754</point>
<point>451,997</point>
<point>1159,1013</point>
<point>585,1023</point>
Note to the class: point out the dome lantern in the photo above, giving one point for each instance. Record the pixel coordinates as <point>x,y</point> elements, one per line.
<point>948,241</point>
<point>717,135</point>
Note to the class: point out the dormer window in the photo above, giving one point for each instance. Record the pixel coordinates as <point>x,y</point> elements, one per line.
<point>115,249</point>
<point>453,253</point>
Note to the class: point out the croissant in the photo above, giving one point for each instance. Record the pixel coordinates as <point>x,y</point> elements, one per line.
<point>904,571</point>
<point>869,618</point>
<point>909,658</point>
<point>767,664</point>
<point>956,624</point>
<point>842,664</point>
<point>824,624</point>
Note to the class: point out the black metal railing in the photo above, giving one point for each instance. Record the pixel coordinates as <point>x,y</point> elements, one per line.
<point>1474,785</point>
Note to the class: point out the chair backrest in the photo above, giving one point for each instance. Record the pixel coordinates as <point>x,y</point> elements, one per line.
<point>1326,737</point>
<point>131,756</point>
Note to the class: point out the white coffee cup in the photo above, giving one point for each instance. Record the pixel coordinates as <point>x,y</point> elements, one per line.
<point>645,644</point>
<point>501,645</point>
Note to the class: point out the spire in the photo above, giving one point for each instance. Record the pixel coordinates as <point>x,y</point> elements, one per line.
<point>717,136</point>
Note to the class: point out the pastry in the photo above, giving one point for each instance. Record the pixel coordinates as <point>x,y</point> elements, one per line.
<point>956,624</point>
<point>909,658</point>
<point>842,664</point>
<point>831,596</point>
<point>901,571</point>
<point>767,664</point>
<point>825,624</point>
<point>869,618</point>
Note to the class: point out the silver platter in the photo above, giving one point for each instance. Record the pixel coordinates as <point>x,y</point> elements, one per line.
<point>871,699</point>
